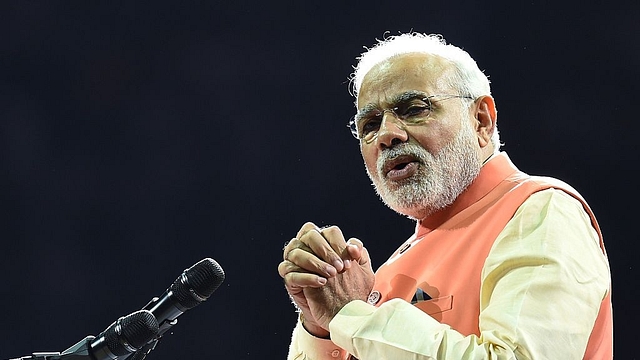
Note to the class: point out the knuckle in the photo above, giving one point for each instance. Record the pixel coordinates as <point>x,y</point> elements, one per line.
<point>333,234</point>
<point>294,255</point>
<point>284,268</point>
<point>309,225</point>
<point>330,230</point>
<point>288,246</point>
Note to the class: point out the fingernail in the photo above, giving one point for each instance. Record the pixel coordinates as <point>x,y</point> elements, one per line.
<point>322,280</point>
<point>331,271</point>
<point>338,264</point>
<point>347,264</point>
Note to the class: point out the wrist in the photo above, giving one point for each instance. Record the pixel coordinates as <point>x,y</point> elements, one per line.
<point>313,329</point>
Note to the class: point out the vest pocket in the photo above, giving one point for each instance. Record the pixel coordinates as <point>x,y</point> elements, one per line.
<point>437,305</point>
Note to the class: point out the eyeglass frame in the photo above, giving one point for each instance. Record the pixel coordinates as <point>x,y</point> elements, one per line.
<point>407,97</point>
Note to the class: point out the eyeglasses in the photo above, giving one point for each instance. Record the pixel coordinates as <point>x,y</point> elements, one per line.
<point>414,110</point>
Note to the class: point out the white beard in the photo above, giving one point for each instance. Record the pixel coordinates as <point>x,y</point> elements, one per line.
<point>440,178</point>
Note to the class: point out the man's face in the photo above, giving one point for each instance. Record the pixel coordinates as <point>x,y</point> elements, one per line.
<point>418,169</point>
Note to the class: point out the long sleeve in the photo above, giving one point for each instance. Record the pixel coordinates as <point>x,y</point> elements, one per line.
<point>542,285</point>
<point>306,346</point>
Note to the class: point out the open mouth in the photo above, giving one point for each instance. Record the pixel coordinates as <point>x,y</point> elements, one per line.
<point>401,167</point>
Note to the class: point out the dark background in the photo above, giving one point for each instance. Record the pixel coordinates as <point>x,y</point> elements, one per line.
<point>139,137</point>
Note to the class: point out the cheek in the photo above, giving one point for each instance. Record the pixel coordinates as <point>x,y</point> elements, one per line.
<point>432,142</point>
<point>434,138</point>
<point>370,158</point>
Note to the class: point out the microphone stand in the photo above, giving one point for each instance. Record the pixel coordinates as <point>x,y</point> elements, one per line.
<point>142,353</point>
<point>79,351</point>
<point>190,289</point>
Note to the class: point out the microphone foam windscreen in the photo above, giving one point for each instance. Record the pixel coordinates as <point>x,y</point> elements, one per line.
<point>131,332</point>
<point>197,283</point>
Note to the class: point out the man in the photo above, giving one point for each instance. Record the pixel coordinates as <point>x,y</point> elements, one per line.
<point>502,265</point>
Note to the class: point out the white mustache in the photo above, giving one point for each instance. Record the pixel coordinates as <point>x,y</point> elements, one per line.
<point>390,154</point>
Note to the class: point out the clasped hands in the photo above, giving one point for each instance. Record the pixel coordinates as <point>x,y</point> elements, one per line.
<point>322,273</point>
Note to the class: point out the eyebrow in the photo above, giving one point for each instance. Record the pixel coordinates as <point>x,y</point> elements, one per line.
<point>395,100</point>
<point>408,95</point>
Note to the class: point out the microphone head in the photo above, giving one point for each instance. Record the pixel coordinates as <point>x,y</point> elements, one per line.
<point>130,333</point>
<point>197,283</point>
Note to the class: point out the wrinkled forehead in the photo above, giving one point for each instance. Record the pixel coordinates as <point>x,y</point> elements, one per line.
<point>402,73</point>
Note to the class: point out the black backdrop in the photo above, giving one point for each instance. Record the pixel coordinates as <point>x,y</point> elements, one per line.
<point>140,137</point>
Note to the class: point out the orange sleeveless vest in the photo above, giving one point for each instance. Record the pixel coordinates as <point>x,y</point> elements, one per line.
<point>455,243</point>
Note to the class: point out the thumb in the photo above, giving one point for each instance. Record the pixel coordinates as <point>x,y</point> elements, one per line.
<point>365,259</point>
<point>357,251</point>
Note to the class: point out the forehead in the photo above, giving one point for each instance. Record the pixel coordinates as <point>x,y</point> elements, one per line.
<point>404,73</point>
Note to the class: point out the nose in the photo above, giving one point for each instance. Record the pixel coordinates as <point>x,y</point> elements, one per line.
<point>392,131</point>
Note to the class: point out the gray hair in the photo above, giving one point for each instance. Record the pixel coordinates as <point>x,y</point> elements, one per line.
<point>467,78</point>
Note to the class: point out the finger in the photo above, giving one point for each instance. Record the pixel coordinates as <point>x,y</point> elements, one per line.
<point>326,244</point>
<point>286,267</point>
<point>290,245</point>
<point>306,261</point>
<point>364,258</point>
<point>305,258</point>
<point>335,238</point>
<point>354,249</point>
<point>332,234</point>
<point>317,244</point>
<point>295,280</point>
<point>294,244</point>
<point>308,226</point>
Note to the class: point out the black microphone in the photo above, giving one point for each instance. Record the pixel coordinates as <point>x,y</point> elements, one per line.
<point>125,336</point>
<point>189,290</point>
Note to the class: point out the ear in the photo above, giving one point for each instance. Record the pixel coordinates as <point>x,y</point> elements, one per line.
<point>486,116</point>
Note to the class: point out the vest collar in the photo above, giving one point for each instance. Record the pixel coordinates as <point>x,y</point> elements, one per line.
<point>495,170</point>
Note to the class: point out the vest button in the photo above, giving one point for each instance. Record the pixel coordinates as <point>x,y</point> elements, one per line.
<point>404,248</point>
<point>374,297</point>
